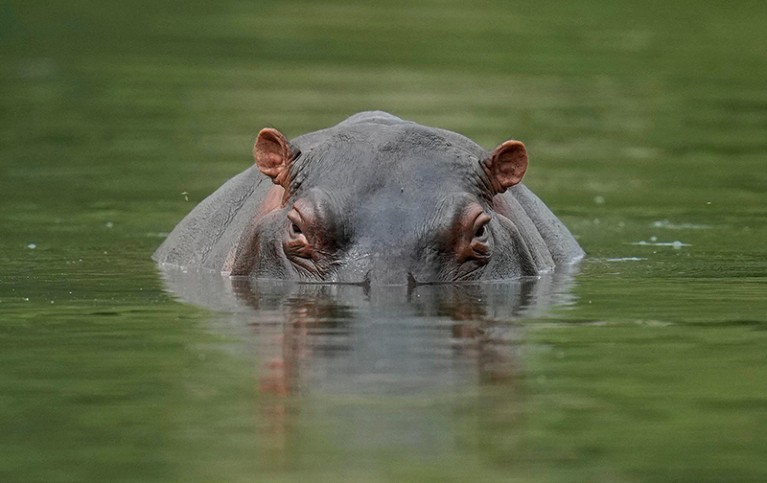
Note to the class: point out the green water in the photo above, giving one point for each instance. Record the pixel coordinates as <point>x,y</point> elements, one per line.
<point>646,126</point>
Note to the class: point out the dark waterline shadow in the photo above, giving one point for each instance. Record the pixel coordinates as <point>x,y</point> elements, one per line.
<point>512,299</point>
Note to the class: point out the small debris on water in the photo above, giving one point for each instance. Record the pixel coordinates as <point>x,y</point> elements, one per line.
<point>109,224</point>
<point>674,244</point>
<point>31,246</point>
<point>679,226</point>
<point>626,259</point>
<point>185,194</point>
<point>600,200</point>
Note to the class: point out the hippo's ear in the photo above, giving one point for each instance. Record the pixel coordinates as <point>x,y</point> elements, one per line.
<point>506,165</point>
<point>273,155</point>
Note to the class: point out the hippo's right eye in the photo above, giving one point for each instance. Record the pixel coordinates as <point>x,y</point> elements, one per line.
<point>295,220</point>
<point>480,249</point>
<point>473,244</point>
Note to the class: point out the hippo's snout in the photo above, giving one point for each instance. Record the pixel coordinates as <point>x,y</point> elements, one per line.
<point>383,276</point>
<point>376,268</point>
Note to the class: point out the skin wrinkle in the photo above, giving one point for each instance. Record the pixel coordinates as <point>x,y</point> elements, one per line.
<point>247,250</point>
<point>526,263</point>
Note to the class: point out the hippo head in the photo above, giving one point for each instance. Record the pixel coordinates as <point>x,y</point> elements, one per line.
<point>384,204</point>
<point>374,200</point>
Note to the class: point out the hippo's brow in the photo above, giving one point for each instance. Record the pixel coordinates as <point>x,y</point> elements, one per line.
<point>447,211</point>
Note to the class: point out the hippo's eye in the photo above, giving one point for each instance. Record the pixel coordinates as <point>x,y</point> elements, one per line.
<point>473,246</point>
<point>296,243</point>
<point>480,227</point>
<point>295,220</point>
<point>479,247</point>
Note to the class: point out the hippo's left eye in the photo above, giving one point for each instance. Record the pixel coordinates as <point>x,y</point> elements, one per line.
<point>473,245</point>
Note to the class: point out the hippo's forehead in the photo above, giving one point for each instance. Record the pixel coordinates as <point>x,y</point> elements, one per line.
<point>395,162</point>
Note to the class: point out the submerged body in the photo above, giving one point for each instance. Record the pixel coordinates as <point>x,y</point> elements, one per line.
<point>374,200</point>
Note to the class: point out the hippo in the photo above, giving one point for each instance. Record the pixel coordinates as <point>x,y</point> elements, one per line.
<point>374,200</point>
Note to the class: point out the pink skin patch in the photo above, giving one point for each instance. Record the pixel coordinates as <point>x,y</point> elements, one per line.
<point>272,201</point>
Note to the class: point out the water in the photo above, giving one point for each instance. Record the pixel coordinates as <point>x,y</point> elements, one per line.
<point>645,123</point>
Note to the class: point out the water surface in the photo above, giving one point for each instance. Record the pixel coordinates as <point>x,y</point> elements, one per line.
<point>645,123</point>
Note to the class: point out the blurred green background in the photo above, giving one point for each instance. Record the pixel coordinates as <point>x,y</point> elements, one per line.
<point>645,122</point>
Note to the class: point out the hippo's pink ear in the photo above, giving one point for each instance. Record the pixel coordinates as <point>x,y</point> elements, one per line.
<point>273,155</point>
<point>506,165</point>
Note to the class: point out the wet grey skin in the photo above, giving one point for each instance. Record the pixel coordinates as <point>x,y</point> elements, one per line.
<point>374,200</point>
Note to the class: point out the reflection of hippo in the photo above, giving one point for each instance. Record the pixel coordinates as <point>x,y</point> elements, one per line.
<point>335,353</point>
<point>340,334</point>
<point>374,200</point>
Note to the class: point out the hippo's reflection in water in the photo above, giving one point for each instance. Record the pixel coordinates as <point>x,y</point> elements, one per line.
<point>362,350</point>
